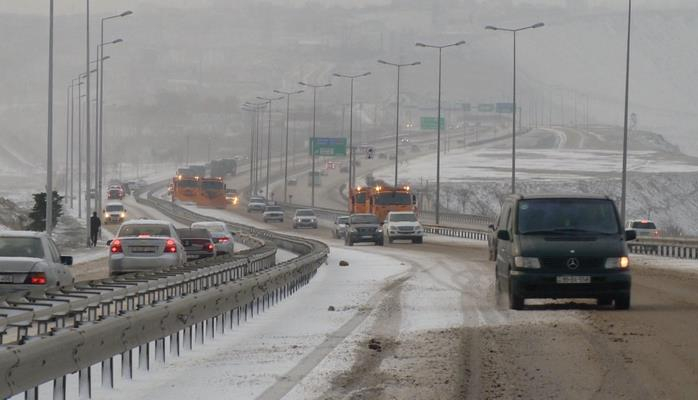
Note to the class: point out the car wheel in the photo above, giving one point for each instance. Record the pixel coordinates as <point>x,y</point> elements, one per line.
<point>623,302</point>
<point>516,302</point>
<point>419,240</point>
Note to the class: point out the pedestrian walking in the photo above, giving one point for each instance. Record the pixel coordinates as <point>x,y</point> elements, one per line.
<point>95,225</point>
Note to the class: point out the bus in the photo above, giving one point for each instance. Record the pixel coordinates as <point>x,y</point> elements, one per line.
<point>211,193</point>
<point>185,188</point>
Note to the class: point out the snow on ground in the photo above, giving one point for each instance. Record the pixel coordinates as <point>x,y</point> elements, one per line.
<point>665,263</point>
<point>242,363</point>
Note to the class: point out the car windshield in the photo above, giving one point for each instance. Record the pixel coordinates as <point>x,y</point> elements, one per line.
<point>144,230</point>
<point>21,247</point>
<point>256,199</point>
<point>541,216</point>
<point>364,219</point>
<point>403,217</point>
<point>115,208</point>
<point>342,220</point>
<point>305,213</point>
<point>397,198</point>
<point>643,225</point>
<point>274,209</point>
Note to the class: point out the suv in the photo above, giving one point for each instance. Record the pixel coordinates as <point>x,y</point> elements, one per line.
<point>305,218</point>
<point>644,228</point>
<point>562,246</point>
<point>403,225</point>
<point>273,213</point>
<point>114,212</point>
<point>363,228</point>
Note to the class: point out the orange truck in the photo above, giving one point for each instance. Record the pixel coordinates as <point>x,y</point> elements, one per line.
<point>185,188</point>
<point>211,193</point>
<point>379,200</point>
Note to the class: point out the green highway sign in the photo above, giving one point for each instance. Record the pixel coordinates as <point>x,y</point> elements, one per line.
<point>467,107</point>
<point>485,107</point>
<point>505,108</point>
<point>328,146</point>
<point>429,123</point>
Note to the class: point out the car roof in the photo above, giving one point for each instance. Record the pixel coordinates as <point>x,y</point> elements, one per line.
<point>557,196</point>
<point>401,212</point>
<point>28,234</point>
<point>305,209</point>
<point>145,222</point>
<point>114,203</point>
<point>208,223</point>
<point>362,214</point>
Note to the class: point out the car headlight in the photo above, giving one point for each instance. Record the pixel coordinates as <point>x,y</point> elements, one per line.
<point>379,230</point>
<point>527,262</point>
<point>617,262</point>
<point>123,215</point>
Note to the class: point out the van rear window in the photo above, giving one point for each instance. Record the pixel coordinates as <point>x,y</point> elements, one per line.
<point>644,225</point>
<point>542,216</point>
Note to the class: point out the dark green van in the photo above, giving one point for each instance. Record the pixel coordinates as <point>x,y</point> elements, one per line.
<point>562,246</point>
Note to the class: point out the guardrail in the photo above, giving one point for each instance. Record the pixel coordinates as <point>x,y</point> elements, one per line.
<point>71,330</point>
<point>666,247</point>
<point>453,231</point>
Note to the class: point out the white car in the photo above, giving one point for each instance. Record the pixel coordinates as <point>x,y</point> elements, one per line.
<point>114,212</point>
<point>273,213</point>
<point>340,226</point>
<point>221,235</point>
<point>31,262</point>
<point>403,225</point>
<point>257,204</point>
<point>305,218</point>
<point>144,246</point>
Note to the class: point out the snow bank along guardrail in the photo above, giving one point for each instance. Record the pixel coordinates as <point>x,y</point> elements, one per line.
<point>69,331</point>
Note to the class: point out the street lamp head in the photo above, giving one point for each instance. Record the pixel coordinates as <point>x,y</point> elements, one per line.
<point>420,45</point>
<point>366,73</point>
<point>126,13</point>
<point>117,41</point>
<point>302,83</point>
<point>105,58</point>
<point>492,28</point>
<point>462,42</point>
<point>338,75</point>
<point>383,62</point>
<point>327,85</point>
<point>538,25</point>
<point>416,63</point>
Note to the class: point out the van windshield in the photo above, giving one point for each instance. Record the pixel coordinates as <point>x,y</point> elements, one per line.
<point>543,216</point>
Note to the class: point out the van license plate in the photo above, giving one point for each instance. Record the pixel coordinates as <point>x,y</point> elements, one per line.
<point>572,279</point>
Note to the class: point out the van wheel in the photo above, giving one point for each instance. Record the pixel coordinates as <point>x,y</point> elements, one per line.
<point>623,302</point>
<point>516,302</point>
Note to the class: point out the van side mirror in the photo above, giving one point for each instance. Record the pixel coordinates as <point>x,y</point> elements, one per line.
<point>503,235</point>
<point>109,242</point>
<point>630,235</point>
<point>67,260</point>
<point>491,226</point>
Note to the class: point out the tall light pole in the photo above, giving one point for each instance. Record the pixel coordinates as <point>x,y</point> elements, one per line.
<point>438,124</point>
<point>67,139</point>
<point>80,191</point>
<point>72,138</point>
<point>269,101</point>
<point>49,146</point>
<point>312,144</point>
<point>288,113</point>
<point>88,177</point>
<point>351,78</point>
<point>513,111</point>
<point>397,113</point>
<point>98,120</point>
<point>252,127</point>
<point>100,172</point>
<point>624,186</point>
<point>254,146</point>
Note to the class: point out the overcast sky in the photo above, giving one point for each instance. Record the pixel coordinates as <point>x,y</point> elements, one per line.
<point>77,6</point>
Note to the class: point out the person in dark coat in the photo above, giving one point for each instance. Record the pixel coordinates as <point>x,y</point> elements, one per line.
<point>95,224</point>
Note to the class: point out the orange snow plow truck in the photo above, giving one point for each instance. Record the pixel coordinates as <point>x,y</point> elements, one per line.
<point>381,199</point>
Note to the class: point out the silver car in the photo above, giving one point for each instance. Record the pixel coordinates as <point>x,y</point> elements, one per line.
<point>256,204</point>
<point>222,237</point>
<point>340,226</point>
<point>273,213</point>
<point>145,246</point>
<point>114,212</point>
<point>31,262</point>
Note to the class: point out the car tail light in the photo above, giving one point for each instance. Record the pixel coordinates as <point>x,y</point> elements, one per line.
<point>170,246</point>
<point>209,247</point>
<point>116,247</point>
<point>36,278</point>
<point>223,240</point>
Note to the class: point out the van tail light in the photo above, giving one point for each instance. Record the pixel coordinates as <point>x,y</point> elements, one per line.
<point>170,246</point>
<point>36,278</point>
<point>116,246</point>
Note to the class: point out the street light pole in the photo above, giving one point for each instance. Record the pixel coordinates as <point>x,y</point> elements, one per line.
<point>312,143</point>
<point>397,114</point>
<point>88,176</point>
<point>513,123</point>
<point>438,125</point>
<point>288,111</point>
<point>352,172</point>
<point>72,139</point>
<point>268,101</point>
<point>49,146</point>
<point>624,185</point>
<point>254,146</point>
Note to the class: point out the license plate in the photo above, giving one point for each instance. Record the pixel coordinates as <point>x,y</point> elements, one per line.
<point>367,237</point>
<point>572,279</point>
<point>143,249</point>
<point>6,279</point>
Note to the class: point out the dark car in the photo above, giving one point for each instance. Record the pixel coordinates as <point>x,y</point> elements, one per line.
<point>562,246</point>
<point>197,243</point>
<point>363,228</point>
